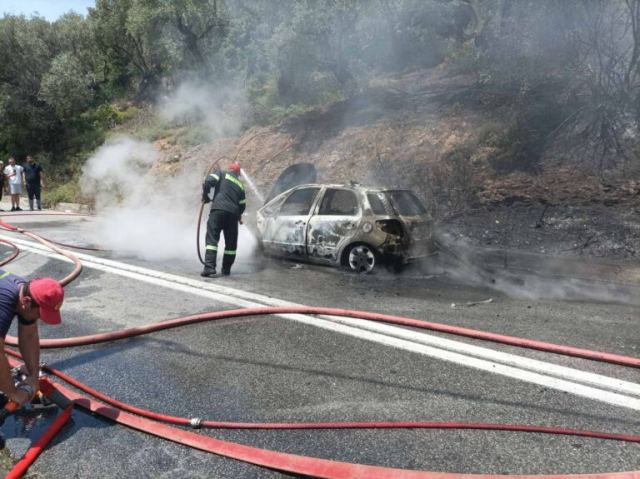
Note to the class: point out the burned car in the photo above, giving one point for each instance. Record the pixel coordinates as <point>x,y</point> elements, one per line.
<point>346,225</point>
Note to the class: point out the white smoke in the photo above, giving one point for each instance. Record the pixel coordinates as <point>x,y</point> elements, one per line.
<point>145,215</point>
<point>221,109</point>
<point>149,216</point>
<point>138,213</point>
<point>116,170</point>
<point>545,279</point>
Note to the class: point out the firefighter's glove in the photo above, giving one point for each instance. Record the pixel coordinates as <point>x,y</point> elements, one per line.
<point>205,198</point>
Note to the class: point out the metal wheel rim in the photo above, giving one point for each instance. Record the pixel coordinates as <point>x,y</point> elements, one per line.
<point>362,259</point>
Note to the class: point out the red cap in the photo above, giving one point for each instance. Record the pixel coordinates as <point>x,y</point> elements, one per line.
<point>48,293</point>
<point>235,167</point>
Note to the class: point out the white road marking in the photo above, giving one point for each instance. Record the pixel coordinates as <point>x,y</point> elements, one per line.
<point>589,385</point>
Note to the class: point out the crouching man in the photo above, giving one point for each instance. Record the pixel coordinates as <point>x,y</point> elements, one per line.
<point>39,298</point>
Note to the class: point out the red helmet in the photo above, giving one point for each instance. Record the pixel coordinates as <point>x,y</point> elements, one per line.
<point>235,167</point>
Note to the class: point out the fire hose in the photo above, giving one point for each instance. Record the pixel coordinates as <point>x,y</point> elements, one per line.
<point>34,451</point>
<point>146,420</point>
<point>314,467</point>
<point>9,227</point>
<point>14,253</point>
<point>629,361</point>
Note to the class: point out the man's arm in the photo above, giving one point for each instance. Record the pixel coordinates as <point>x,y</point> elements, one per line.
<point>29,344</point>
<point>41,178</point>
<point>6,381</point>
<point>242,202</point>
<point>211,181</point>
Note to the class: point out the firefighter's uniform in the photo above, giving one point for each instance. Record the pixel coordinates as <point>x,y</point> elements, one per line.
<point>227,206</point>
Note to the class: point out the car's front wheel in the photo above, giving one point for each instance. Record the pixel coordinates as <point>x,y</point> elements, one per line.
<point>361,258</point>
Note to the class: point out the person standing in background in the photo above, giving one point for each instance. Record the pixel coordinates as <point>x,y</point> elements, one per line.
<point>34,180</point>
<point>13,173</point>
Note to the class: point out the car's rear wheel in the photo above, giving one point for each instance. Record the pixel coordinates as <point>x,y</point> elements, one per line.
<point>361,258</point>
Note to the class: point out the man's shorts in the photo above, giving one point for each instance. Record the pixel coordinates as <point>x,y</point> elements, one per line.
<point>15,189</point>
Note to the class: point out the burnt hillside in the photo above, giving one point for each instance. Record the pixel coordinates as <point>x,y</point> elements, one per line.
<point>420,131</point>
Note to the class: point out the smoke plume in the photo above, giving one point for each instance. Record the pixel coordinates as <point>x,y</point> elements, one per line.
<point>221,109</point>
<point>150,216</point>
<point>519,275</point>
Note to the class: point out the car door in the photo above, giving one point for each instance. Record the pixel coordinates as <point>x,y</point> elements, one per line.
<point>285,232</point>
<point>336,222</point>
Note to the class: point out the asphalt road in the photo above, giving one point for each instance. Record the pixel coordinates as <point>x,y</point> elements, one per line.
<point>304,369</point>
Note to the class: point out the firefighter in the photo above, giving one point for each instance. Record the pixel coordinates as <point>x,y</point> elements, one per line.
<point>227,206</point>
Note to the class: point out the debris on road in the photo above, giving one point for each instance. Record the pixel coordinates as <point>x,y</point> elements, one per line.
<point>471,303</point>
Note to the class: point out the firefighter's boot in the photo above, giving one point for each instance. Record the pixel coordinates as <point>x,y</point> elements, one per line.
<point>227,262</point>
<point>210,258</point>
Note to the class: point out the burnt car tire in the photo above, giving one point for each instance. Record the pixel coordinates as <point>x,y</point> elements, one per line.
<point>361,258</point>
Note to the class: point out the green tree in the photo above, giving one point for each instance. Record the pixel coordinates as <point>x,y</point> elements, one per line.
<point>202,26</point>
<point>66,87</point>
<point>26,49</point>
<point>129,35</point>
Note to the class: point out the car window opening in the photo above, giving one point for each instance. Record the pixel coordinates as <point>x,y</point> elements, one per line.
<point>299,202</point>
<point>339,203</point>
<point>405,203</point>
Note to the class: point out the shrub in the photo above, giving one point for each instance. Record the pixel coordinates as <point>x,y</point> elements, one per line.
<point>193,135</point>
<point>107,116</point>
<point>65,193</point>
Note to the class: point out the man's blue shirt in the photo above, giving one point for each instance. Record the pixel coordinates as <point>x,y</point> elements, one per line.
<point>9,294</point>
<point>32,173</point>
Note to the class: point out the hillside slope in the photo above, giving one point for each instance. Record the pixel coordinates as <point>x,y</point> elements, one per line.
<point>420,131</point>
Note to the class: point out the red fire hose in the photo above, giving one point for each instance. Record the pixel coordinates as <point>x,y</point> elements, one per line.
<point>309,466</point>
<point>300,464</point>
<point>9,227</point>
<point>34,451</point>
<point>42,213</point>
<point>14,254</point>
<point>78,266</point>
<point>378,317</point>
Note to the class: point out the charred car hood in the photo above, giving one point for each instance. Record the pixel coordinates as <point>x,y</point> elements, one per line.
<point>294,175</point>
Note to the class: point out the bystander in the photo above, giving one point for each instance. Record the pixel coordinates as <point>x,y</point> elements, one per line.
<point>34,180</point>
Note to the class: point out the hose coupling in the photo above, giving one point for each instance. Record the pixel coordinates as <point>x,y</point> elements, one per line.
<point>195,422</point>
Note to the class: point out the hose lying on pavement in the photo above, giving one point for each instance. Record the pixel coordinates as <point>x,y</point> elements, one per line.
<point>315,467</point>
<point>14,254</point>
<point>378,317</point>
<point>198,423</point>
<point>34,451</point>
<point>9,227</point>
<point>292,463</point>
<point>77,265</point>
<point>42,213</point>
